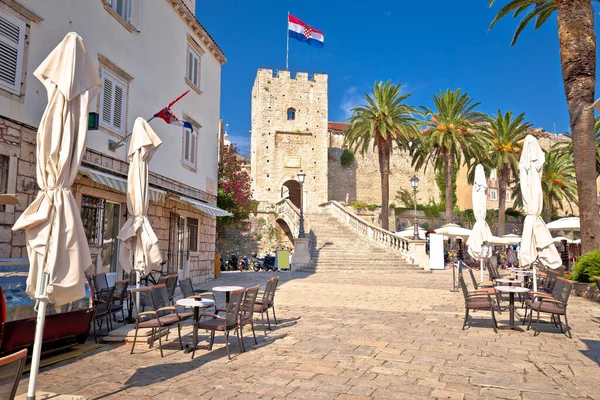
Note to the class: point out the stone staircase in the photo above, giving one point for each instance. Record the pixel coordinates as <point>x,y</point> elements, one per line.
<point>336,247</point>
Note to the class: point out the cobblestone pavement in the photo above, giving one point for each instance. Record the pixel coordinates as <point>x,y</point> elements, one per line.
<point>356,336</point>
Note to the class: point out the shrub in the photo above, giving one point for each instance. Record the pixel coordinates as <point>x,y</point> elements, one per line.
<point>347,158</point>
<point>372,207</point>
<point>359,205</point>
<point>513,213</point>
<point>587,267</point>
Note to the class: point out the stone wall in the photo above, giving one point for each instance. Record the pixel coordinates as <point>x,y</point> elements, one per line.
<point>280,148</point>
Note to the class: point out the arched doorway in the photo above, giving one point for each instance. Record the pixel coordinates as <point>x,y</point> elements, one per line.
<point>291,190</point>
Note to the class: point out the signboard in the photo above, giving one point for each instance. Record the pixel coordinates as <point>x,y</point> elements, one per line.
<point>282,259</point>
<point>436,251</point>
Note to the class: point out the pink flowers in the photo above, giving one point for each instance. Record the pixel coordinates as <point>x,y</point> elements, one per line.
<point>235,193</point>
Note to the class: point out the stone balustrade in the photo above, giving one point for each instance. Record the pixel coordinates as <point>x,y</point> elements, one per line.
<point>411,250</point>
<point>291,215</point>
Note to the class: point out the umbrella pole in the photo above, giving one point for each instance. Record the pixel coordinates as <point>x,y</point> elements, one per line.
<point>42,299</point>
<point>138,281</point>
<point>534,278</point>
<point>481,269</point>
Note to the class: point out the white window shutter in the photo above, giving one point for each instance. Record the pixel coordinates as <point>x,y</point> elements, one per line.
<point>119,107</point>
<point>12,42</point>
<point>107,100</point>
<point>193,148</point>
<point>195,71</point>
<point>186,145</point>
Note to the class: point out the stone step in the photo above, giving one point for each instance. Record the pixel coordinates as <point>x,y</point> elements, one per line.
<point>362,271</point>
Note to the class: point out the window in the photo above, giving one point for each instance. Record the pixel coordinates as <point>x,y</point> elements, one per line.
<point>508,195</point>
<point>124,8</point>
<point>12,47</point>
<point>494,194</point>
<point>493,174</point>
<point>193,67</point>
<point>192,225</point>
<point>190,144</point>
<point>92,210</point>
<point>4,161</point>
<point>291,114</point>
<point>113,100</point>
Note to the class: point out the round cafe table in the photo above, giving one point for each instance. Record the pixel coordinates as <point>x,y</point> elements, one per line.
<point>227,290</point>
<point>511,290</point>
<point>509,281</point>
<point>197,304</point>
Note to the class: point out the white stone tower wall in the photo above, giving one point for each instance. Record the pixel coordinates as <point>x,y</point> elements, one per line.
<point>280,148</point>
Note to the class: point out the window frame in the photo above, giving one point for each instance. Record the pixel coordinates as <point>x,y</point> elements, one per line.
<point>116,80</point>
<point>493,174</point>
<point>193,55</point>
<point>494,194</point>
<point>191,164</point>
<point>192,225</point>
<point>20,48</point>
<point>4,177</point>
<point>99,219</point>
<point>291,110</point>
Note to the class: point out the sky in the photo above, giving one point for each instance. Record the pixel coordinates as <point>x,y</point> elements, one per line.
<point>426,46</point>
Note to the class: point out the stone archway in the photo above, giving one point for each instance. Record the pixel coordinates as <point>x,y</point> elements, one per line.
<point>291,189</point>
<point>286,237</point>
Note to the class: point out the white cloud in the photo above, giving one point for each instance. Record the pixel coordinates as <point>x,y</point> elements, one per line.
<point>350,99</point>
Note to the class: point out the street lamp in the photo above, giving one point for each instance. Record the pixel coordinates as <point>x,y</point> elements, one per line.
<point>301,176</point>
<point>414,182</point>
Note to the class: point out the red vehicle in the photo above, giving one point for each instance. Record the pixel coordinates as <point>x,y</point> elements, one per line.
<point>64,327</point>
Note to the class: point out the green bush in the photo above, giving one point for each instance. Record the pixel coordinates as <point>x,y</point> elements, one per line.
<point>372,207</point>
<point>587,267</point>
<point>359,205</point>
<point>347,158</point>
<point>513,213</point>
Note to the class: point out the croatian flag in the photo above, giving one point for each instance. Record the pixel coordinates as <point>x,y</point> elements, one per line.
<point>304,33</point>
<point>167,115</point>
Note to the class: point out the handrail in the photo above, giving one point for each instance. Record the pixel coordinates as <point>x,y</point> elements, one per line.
<point>286,208</point>
<point>380,236</point>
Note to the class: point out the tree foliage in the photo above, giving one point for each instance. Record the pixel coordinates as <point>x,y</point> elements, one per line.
<point>234,193</point>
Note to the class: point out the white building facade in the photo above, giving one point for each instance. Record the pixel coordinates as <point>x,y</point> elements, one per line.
<point>147,54</point>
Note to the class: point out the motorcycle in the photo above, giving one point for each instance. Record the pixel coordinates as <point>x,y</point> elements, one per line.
<point>233,263</point>
<point>244,264</point>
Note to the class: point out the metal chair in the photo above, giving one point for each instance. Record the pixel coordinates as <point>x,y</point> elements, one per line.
<point>247,313</point>
<point>477,300</point>
<point>11,370</point>
<point>119,298</point>
<point>556,305</point>
<point>170,281</point>
<point>268,301</point>
<point>102,309</point>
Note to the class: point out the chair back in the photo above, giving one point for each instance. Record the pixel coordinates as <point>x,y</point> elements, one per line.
<point>160,296</point>
<point>566,286</point>
<point>185,285</point>
<point>550,280</point>
<point>269,294</point>
<point>493,272</point>
<point>172,285</point>
<point>236,298</point>
<point>145,293</point>
<point>475,284</point>
<point>247,307</point>
<point>100,282</point>
<point>120,291</point>
<point>11,369</point>
<point>463,286</point>
<point>104,300</point>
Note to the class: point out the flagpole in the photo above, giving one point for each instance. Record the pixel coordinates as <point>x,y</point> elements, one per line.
<point>287,42</point>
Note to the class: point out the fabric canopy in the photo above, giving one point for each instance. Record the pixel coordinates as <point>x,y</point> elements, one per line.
<point>118,183</point>
<point>536,243</point>
<point>565,224</point>
<point>481,231</point>
<point>453,230</point>
<point>52,222</point>
<point>210,210</point>
<point>139,243</point>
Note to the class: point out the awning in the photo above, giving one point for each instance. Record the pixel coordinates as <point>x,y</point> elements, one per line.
<point>211,210</point>
<point>118,183</point>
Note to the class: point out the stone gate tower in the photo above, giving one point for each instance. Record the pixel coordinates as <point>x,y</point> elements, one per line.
<point>289,134</point>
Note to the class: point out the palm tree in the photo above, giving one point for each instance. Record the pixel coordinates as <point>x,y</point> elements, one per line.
<point>505,134</point>
<point>380,124</point>
<point>451,136</point>
<point>558,184</point>
<point>577,42</point>
<point>567,147</point>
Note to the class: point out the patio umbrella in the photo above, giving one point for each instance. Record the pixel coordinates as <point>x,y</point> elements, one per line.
<point>56,242</point>
<point>410,231</point>
<point>454,230</point>
<point>537,243</point>
<point>139,250</point>
<point>480,233</point>
<point>565,224</point>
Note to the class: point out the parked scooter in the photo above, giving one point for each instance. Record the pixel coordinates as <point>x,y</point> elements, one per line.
<point>233,263</point>
<point>244,264</point>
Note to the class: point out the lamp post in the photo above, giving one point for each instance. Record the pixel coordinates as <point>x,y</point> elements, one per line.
<point>414,182</point>
<point>301,176</point>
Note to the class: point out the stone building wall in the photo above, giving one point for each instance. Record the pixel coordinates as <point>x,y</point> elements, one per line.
<point>17,141</point>
<point>280,148</point>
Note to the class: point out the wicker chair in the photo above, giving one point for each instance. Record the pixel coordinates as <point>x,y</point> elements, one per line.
<point>556,305</point>
<point>247,313</point>
<point>119,298</point>
<point>11,370</point>
<point>162,316</point>
<point>477,300</point>
<point>225,324</point>
<point>102,309</point>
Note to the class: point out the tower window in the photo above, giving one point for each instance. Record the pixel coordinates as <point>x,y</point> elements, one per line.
<point>291,114</point>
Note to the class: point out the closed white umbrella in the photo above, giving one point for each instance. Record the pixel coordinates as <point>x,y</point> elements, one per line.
<point>139,249</point>
<point>480,233</point>
<point>56,242</point>
<point>536,243</point>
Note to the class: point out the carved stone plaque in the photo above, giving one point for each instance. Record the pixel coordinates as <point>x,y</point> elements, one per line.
<point>291,162</point>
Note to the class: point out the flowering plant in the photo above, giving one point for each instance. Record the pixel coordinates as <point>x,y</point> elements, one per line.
<point>235,192</point>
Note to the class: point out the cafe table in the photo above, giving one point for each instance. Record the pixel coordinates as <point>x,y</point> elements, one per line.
<point>197,304</point>
<point>511,290</point>
<point>227,290</point>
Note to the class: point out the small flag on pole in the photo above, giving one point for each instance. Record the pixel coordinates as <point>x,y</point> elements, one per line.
<point>169,117</point>
<point>305,33</point>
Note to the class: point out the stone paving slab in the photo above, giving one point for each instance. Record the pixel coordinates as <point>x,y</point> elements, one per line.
<point>352,337</point>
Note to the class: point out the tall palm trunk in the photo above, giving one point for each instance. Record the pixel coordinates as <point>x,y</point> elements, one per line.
<point>384,170</point>
<point>578,59</point>
<point>548,209</point>
<point>449,179</point>
<point>502,179</point>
